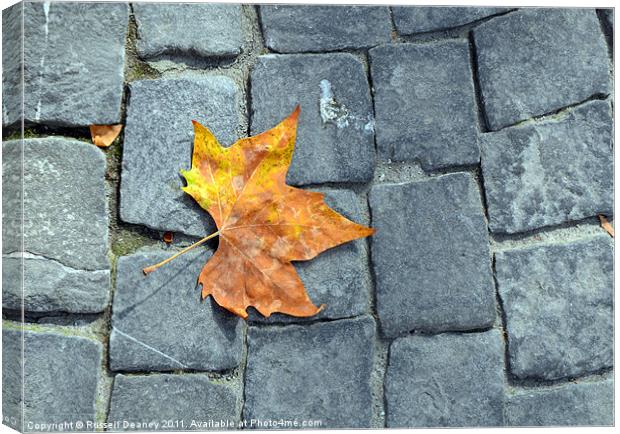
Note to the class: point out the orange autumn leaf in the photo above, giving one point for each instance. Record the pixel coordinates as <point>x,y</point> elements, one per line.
<point>263,224</point>
<point>606,225</point>
<point>104,135</point>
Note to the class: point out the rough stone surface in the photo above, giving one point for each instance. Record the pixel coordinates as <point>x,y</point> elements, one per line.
<point>571,404</point>
<point>159,322</point>
<point>188,400</point>
<point>336,127</point>
<point>550,172</point>
<point>535,61</point>
<point>431,256</point>
<point>294,28</point>
<point>411,20</point>
<point>65,227</point>
<point>447,380</point>
<point>12,63</point>
<point>158,143</point>
<point>209,30</point>
<point>338,278</point>
<point>316,372</point>
<point>68,80</point>
<point>60,377</point>
<point>425,103</point>
<point>558,301</point>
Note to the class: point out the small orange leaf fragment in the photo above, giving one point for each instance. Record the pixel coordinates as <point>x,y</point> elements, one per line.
<point>606,225</point>
<point>168,237</point>
<point>263,223</point>
<point>104,135</point>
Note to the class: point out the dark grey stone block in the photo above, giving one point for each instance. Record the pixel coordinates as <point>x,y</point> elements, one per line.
<point>535,61</point>
<point>206,30</point>
<point>159,139</point>
<point>60,375</point>
<point>425,103</point>
<point>188,401</point>
<point>338,278</point>
<point>159,322</point>
<point>581,404</point>
<point>294,28</point>
<point>558,301</point>
<point>335,134</point>
<point>410,20</point>
<point>448,380</point>
<point>68,80</point>
<point>12,64</point>
<point>314,372</point>
<point>65,228</point>
<point>431,256</point>
<point>550,172</point>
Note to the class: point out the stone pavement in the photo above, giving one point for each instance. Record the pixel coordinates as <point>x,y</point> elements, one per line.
<point>477,141</point>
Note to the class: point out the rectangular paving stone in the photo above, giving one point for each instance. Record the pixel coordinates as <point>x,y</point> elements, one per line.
<point>159,322</point>
<point>431,256</point>
<point>558,301</point>
<point>65,229</point>
<point>159,138</point>
<point>189,401</point>
<point>550,172</point>
<point>73,58</point>
<point>314,372</point>
<point>339,277</point>
<point>535,61</point>
<point>206,30</point>
<point>335,133</point>
<point>295,28</point>
<point>410,20</point>
<point>447,380</point>
<point>425,103</point>
<point>12,64</point>
<point>580,404</point>
<point>60,375</point>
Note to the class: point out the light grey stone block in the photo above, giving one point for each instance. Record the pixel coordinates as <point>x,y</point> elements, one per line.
<point>173,403</point>
<point>550,172</point>
<point>159,322</point>
<point>558,301</point>
<point>335,133</point>
<point>431,256</point>
<point>314,372</point>
<point>410,20</point>
<point>447,380</point>
<point>159,139</point>
<point>535,61</point>
<point>190,29</point>
<point>295,28</point>
<point>425,103</point>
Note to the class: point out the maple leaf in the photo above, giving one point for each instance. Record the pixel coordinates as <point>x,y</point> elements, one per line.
<point>262,222</point>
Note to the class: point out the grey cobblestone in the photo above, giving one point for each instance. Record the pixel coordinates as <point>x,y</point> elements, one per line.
<point>65,227</point>
<point>52,393</point>
<point>317,372</point>
<point>179,29</point>
<point>68,80</point>
<point>425,103</point>
<point>336,126</point>
<point>535,61</point>
<point>445,380</point>
<point>188,401</point>
<point>159,323</point>
<point>578,404</point>
<point>558,301</point>
<point>430,256</point>
<point>158,143</point>
<point>550,172</point>
<point>411,20</point>
<point>290,29</point>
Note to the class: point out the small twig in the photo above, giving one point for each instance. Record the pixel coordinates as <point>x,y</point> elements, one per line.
<point>152,268</point>
<point>606,225</point>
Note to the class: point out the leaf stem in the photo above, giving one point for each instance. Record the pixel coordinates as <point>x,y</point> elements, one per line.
<point>152,268</point>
